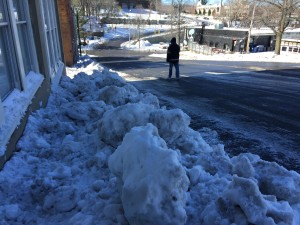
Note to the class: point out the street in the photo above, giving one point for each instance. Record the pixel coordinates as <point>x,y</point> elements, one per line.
<point>247,106</point>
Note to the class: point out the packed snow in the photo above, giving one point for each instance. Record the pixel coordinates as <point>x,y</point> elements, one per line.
<point>103,153</point>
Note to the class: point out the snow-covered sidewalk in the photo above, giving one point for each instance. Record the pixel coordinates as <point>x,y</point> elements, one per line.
<point>103,153</point>
<point>286,57</point>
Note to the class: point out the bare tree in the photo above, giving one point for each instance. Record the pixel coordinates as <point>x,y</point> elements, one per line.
<point>236,10</point>
<point>178,7</point>
<point>93,7</point>
<point>108,6</point>
<point>277,15</point>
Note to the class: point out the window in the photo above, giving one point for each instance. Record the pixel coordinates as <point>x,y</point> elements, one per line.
<point>23,32</point>
<point>52,35</point>
<point>8,76</point>
<point>16,45</point>
<point>5,78</point>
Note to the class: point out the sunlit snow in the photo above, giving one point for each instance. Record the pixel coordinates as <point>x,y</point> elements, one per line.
<point>103,153</point>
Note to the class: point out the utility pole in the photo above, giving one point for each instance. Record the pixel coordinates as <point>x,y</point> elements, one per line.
<point>172,18</point>
<point>251,24</point>
<point>78,31</point>
<point>179,14</point>
<point>139,27</point>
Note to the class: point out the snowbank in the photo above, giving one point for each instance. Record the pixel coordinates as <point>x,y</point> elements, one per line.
<point>154,183</point>
<point>287,57</point>
<point>103,153</point>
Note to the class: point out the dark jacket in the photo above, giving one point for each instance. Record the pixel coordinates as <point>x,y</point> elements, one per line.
<point>173,52</point>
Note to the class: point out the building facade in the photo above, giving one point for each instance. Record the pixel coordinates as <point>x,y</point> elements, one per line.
<point>291,41</point>
<point>208,10</point>
<point>233,40</point>
<point>31,61</point>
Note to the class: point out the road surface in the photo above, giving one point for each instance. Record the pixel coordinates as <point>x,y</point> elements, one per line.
<point>247,106</point>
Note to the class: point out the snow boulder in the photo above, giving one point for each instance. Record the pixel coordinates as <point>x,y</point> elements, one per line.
<point>62,199</point>
<point>272,178</point>
<point>149,99</point>
<point>170,123</point>
<point>154,183</point>
<point>116,96</point>
<point>106,77</point>
<point>85,111</point>
<point>121,95</point>
<point>242,203</point>
<point>118,121</point>
<point>173,127</point>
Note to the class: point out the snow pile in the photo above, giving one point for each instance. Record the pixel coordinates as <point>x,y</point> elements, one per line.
<point>255,192</point>
<point>288,57</point>
<point>142,163</point>
<point>142,45</point>
<point>103,153</point>
<point>94,44</point>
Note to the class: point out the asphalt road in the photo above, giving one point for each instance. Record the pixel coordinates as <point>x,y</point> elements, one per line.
<point>247,106</point>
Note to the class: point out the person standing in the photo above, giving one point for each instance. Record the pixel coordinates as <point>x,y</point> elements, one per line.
<point>173,57</point>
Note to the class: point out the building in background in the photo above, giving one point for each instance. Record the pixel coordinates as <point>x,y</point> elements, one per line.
<point>134,4</point>
<point>291,41</point>
<point>208,10</point>
<point>31,61</point>
<point>230,40</point>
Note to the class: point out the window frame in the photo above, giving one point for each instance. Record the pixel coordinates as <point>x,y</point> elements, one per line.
<point>55,70</point>
<point>25,24</point>
<point>10,48</point>
<point>13,52</point>
<point>52,39</point>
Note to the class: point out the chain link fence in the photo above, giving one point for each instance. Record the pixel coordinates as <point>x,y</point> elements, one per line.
<point>200,49</point>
